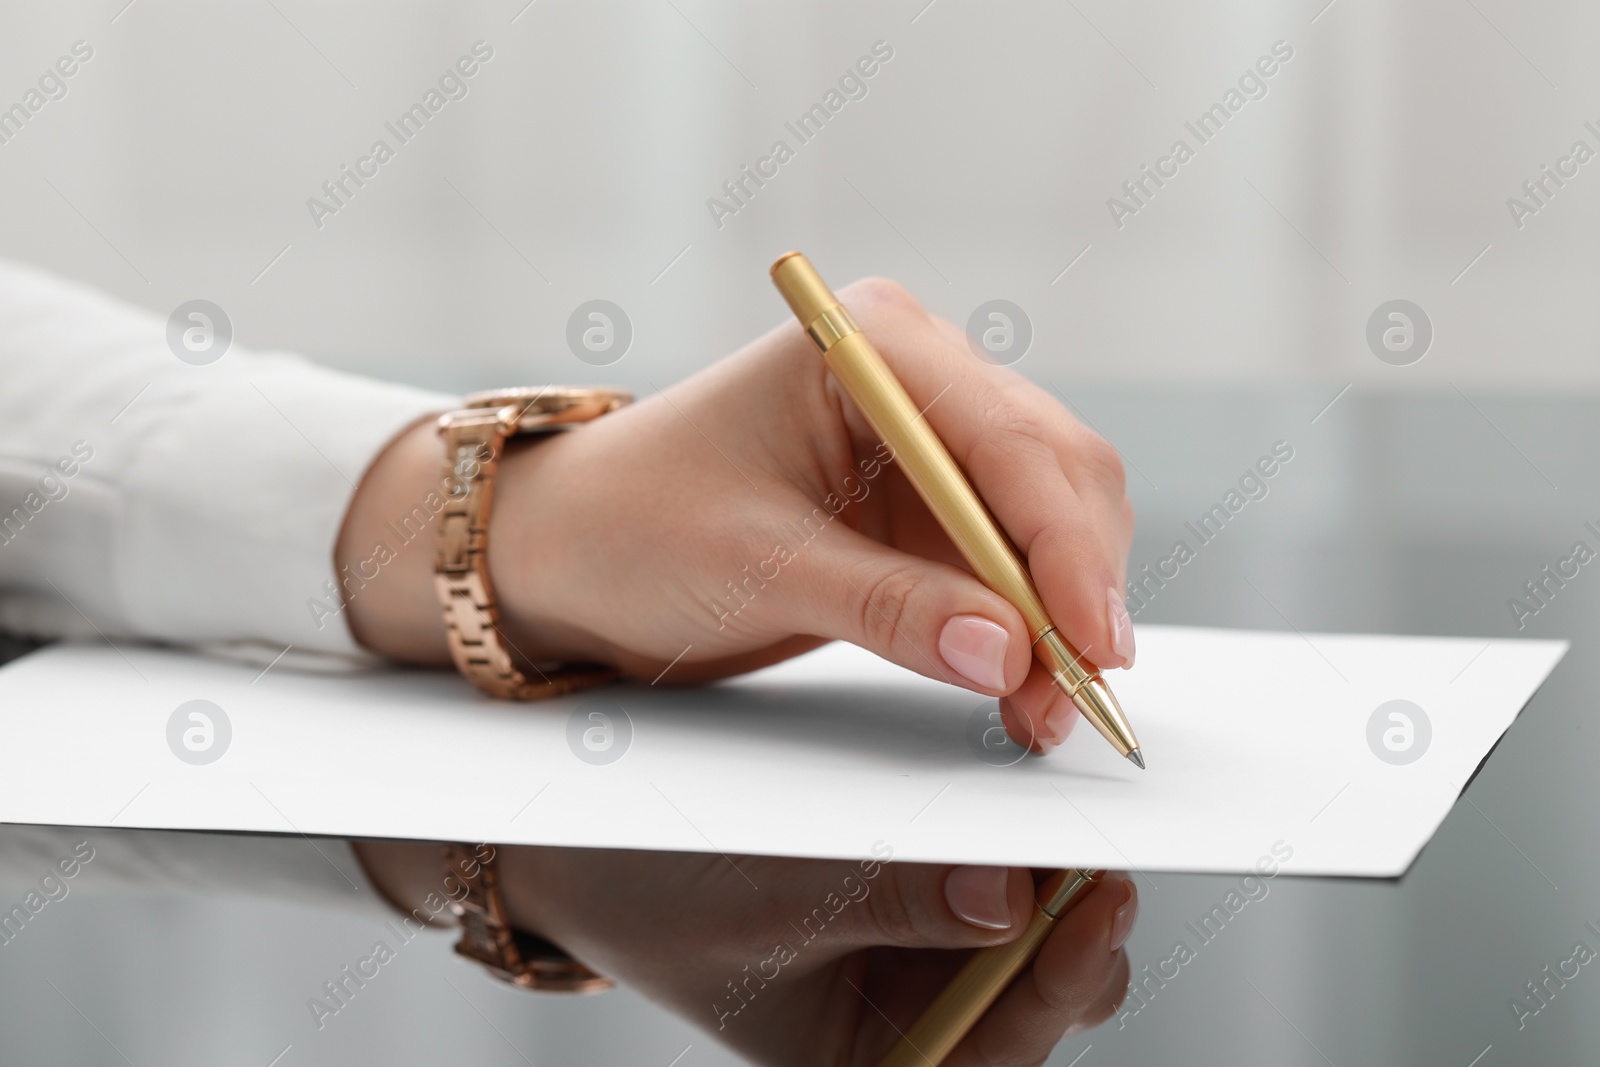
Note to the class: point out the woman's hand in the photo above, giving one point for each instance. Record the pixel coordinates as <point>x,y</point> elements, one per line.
<point>806,961</point>
<point>744,516</point>
<point>749,513</point>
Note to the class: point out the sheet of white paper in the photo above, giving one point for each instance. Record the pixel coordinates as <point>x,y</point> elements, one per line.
<point>1253,740</point>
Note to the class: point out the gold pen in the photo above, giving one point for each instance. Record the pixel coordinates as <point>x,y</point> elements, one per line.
<point>938,480</point>
<point>984,977</point>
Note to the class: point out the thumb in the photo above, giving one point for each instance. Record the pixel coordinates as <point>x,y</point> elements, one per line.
<point>929,617</point>
<point>918,905</point>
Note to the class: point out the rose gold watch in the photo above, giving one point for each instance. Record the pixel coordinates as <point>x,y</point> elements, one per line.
<point>487,937</point>
<point>474,439</point>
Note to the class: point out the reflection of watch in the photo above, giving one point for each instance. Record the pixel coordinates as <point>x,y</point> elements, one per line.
<point>523,959</point>
<point>474,439</point>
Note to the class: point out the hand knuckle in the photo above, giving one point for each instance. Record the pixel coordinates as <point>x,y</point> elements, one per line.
<point>891,911</point>
<point>1005,416</point>
<point>875,292</point>
<point>888,599</point>
<point>1107,1003</point>
<point>1091,1007</point>
<point>1102,462</point>
<point>1010,431</point>
<point>1119,994</point>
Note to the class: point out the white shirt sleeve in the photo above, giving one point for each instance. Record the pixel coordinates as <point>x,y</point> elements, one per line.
<point>145,497</point>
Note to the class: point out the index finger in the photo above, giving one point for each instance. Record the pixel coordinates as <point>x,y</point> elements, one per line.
<point>1077,981</point>
<point>1001,430</point>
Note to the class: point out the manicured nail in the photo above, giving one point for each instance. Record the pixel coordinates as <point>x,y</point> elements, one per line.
<point>975,648</point>
<point>1035,738</point>
<point>978,896</point>
<point>1121,627</point>
<point>1122,921</point>
<point>1062,717</point>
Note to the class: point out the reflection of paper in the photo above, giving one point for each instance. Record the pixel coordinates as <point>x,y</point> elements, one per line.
<point>1252,739</point>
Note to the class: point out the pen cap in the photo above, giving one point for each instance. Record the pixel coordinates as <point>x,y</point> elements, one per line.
<point>808,295</point>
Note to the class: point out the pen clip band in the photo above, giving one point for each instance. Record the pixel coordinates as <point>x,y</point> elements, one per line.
<point>1065,665</point>
<point>831,326</point>
<point>1061,888</point>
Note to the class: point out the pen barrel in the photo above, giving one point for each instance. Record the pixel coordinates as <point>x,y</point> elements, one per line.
<point>937,478</point>
<point>933,472</point>
<point>986,975</point>
<point>970,993</point>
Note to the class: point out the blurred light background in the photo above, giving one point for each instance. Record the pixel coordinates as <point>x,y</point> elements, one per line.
<point>1228,312</point>
<point>979,164</point>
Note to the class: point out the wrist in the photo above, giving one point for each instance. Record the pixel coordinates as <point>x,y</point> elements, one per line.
<point>537,573</point>
<point>411,878</point>
<point>384,555</point>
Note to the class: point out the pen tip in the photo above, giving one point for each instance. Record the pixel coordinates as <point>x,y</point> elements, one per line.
<point>1136,759</point>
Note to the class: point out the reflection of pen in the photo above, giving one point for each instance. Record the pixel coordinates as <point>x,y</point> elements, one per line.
<point>930,468</point>
<point>984,977</point>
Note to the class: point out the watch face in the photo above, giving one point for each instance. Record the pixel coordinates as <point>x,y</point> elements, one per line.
<point>524,959</point>
<point>553,405</point>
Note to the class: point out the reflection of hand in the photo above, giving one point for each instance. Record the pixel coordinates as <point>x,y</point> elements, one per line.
<point>746,515</point>
<point>827,960</point>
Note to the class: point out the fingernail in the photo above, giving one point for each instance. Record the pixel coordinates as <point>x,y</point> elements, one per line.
<point>1121,627</point>
<point>1018,722</point>
<point>978,896</point>
<point>1061,718</point>
<point>975,648</point>
<point>1122,921</point>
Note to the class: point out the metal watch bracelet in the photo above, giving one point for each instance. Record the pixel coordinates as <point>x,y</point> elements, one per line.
<point>475,436</point>
<point>487,937</point>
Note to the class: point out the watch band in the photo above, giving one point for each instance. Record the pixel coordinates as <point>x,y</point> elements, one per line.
<point>474,439</point>
<point>523,959</point>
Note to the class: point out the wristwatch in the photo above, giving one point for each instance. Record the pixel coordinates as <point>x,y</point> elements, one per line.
<point>474,439</point>
<point>516,956</point>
